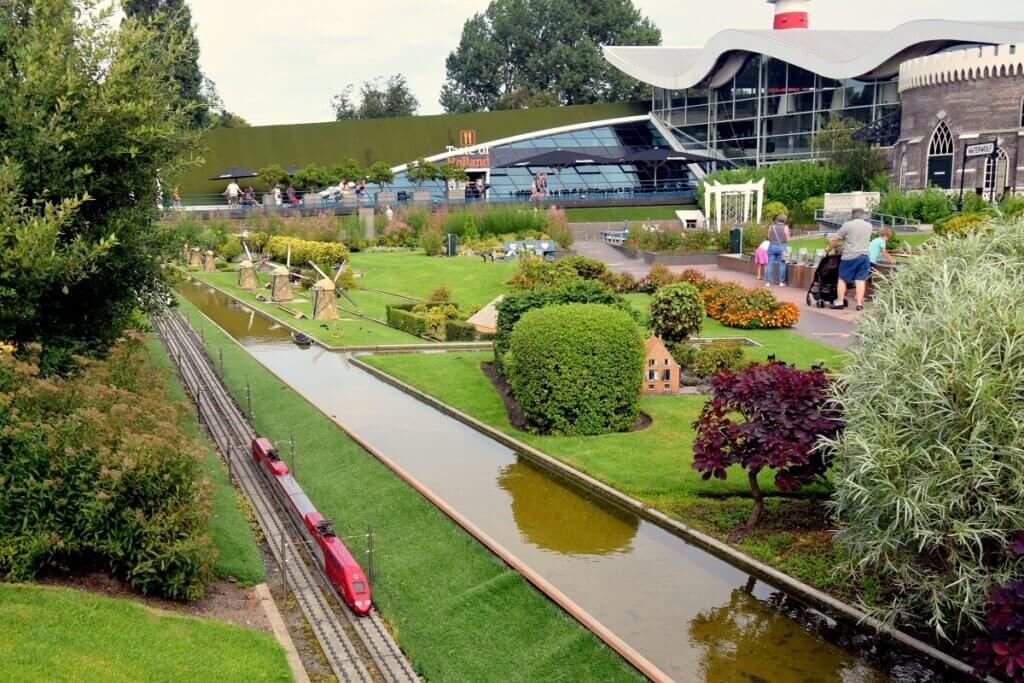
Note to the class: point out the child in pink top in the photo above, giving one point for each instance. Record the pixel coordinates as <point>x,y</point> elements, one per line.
<point>761,259</point>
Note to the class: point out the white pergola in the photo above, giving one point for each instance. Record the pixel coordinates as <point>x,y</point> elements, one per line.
<point>732,204</point>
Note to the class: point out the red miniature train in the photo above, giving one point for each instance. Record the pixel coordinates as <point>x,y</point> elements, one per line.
<point>342,570</point>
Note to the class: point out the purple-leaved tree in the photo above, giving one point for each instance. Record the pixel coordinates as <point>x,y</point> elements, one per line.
<point>769,415</point>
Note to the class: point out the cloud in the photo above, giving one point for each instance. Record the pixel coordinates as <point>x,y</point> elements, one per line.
<point>278,63</point>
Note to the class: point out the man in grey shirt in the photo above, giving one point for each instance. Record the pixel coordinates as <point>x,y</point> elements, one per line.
<point>855,266</point>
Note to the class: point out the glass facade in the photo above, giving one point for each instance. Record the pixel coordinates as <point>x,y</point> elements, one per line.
<point>769,110</point>
<point>510,183</point>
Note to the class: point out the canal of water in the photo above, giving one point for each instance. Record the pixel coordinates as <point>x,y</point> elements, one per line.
<point>692,614</point>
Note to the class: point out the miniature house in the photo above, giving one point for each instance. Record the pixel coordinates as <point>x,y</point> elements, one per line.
<point>661,371</point>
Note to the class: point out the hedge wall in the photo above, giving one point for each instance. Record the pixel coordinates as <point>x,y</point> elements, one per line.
<point>401,317</point>
<point>459,330</point>
<point>576,369</point>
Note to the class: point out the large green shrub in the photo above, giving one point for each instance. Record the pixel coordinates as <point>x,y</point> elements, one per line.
<point>514,306</point>
<point>709,358</point>
<point>324,254</point>
<point>677,312</point>
<point>459,330</point>
<point>576,369</point>
<point>930,476</point>
<point>401,317</point>
<point>928,206</point>
<point>586,268</point>
<point>789,182</point>
<point>95,471</point>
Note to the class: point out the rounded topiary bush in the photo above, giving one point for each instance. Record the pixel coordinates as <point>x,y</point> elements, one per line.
<point>677,312</point>
<point>576,369</point>
<point>930,476</point>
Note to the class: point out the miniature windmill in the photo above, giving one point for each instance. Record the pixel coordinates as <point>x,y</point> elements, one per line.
<point>209,264</point>
<point>195,257</point>
<point>280,280</point>
<point>246,272</point>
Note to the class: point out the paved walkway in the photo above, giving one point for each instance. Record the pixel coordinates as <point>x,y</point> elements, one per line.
<point>832,328</point>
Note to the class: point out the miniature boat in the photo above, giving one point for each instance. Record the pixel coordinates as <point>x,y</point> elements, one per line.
<point>301,339</point>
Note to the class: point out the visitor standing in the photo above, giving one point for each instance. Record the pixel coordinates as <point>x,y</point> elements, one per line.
<point>880,247</point>
<point>277,194</point>
<point>176,197</point>
<point>855,265</point>
<point>390,214</point>
<point>231,192</point>
<point>293,197</point>
<point>778,239</point>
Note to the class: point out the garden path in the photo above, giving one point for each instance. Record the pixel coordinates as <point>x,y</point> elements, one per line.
<point>832,328</point>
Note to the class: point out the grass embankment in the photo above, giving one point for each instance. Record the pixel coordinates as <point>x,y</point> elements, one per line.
<point>237,554</point>
<point>349,330</point>
<point>604,214</point>
<point>914,239</point>
<point>472,281</point>
<point>459,612</point>
<point>785,345</point>
<point>58,634</point>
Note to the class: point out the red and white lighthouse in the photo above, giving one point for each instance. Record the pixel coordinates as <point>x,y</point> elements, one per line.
<point>790,14</point>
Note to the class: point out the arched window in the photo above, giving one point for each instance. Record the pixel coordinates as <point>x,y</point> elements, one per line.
<point>940,157</point>
<point>996,175</point>
<point>903,172</point>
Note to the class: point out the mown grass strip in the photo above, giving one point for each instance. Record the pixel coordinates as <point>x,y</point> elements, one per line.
<point>238,557</point>
<point>58,634</point>
<point>458,612</point>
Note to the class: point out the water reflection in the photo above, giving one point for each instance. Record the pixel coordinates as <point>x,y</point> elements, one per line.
<point>241,322</point>
<point>566,521</point>
<point>744,640</point>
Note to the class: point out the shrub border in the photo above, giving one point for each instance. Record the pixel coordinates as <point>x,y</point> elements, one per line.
<point>819,599</point>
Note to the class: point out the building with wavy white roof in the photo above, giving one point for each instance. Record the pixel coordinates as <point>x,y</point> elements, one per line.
<point>760,96</point>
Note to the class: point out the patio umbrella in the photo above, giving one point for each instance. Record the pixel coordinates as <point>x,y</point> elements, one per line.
<point>656,157</point>
<point>562,158</point>
<point>235,172</point>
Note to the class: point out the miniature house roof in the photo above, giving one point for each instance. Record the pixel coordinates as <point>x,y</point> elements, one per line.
<point>655,347</point>
<point>486,319</point>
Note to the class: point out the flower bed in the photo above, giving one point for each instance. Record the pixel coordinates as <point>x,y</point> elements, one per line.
<point>740,307</point>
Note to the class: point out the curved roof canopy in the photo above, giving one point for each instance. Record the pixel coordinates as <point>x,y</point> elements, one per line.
<point>866,55</point>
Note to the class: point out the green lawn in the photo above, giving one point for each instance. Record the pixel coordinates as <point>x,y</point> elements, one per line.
<point>653,466</point>
<point>348,331</point>
<point>603,214</point>
<point>914,239</point>
<point>786,345</point>
<point>458,612</point>
<point>238,557</point>
<point>415,274</point>
<point>58,634</point>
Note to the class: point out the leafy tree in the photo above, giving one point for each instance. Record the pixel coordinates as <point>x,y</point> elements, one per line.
<point>312,177</point>
<point>677,312</point>
<point>226,119</point>
<point>171,21</point>
<point>380,174</point>
<point>520,53</point>
<point>84,146</point>
<point>451,173</point>
<point>377,100</point>
<point>524,98</point>
<point>766,416</point>
<point>861,163</point>
<point>348,169</point>
<point>272,175</point>
<point>421,171</point>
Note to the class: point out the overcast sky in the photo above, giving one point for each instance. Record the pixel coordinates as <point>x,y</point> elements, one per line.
<point>280,62</point>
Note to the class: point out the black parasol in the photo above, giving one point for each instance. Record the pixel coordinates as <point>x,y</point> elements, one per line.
<point>234,172</point>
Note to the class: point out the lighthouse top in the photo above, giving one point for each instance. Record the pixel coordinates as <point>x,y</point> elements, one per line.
<point>790,14</point>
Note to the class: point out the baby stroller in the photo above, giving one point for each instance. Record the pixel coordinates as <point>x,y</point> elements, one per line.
<point>824,285</point>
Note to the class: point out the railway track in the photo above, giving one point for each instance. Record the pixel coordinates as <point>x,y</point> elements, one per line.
<point>380,658</point>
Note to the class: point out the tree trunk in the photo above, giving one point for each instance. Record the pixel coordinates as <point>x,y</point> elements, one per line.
<point>758,512</point>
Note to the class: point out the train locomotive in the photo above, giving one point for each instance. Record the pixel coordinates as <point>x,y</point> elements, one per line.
<point>337,563</point>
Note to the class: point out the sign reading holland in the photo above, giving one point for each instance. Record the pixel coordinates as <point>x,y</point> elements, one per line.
<point>981,150</point>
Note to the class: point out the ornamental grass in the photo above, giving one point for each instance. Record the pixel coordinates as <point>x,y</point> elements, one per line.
<point>930,470</point>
